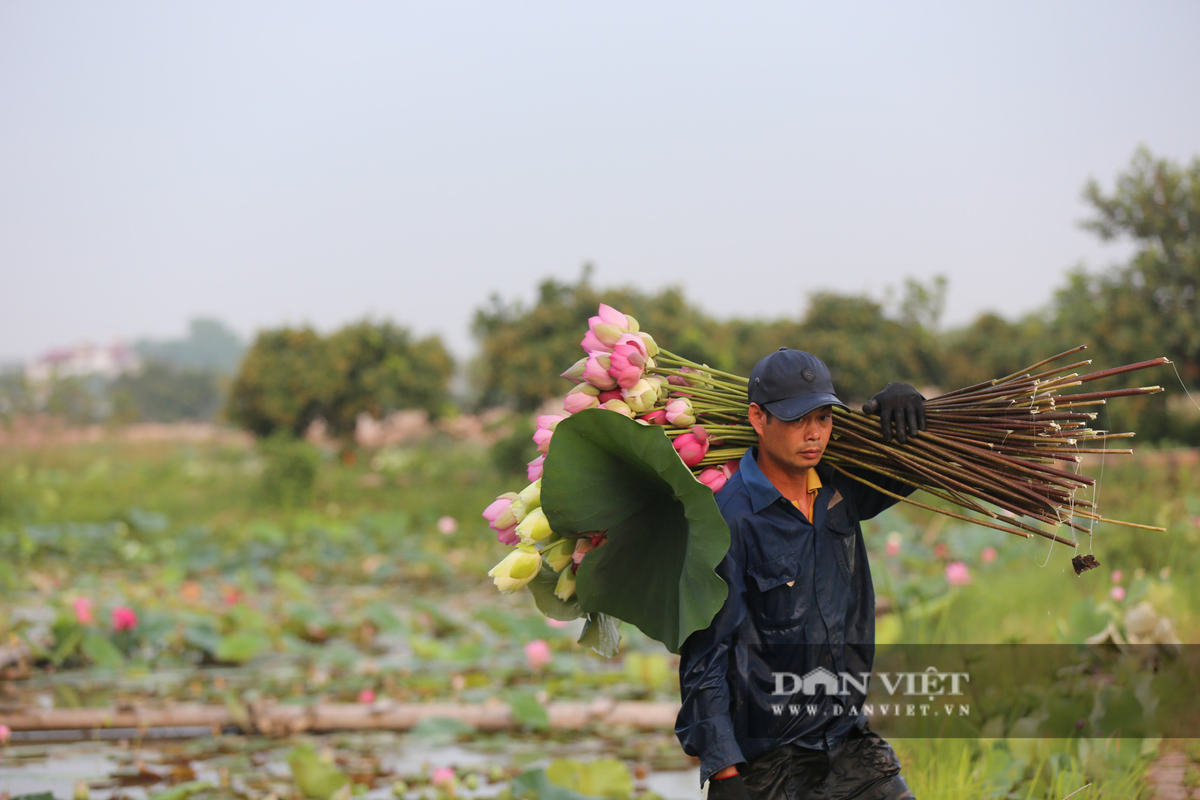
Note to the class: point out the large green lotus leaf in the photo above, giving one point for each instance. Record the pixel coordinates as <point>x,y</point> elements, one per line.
<point>656,570</point>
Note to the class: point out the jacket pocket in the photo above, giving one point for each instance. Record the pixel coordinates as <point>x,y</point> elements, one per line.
<point>778,596</point>
<point>844,531</point>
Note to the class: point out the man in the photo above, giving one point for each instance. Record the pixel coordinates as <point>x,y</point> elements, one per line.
<point>764,705</point>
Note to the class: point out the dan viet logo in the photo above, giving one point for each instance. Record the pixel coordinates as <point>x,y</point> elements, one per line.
<point>930,684</point>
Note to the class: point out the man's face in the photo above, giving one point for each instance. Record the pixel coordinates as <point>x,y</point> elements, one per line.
<point>797,445</point>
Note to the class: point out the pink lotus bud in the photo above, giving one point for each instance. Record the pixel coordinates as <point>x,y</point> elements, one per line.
<point>124,619</point>
<point>619,406</point>
<point>701,434</point>
<point>83,610</point>
<point>549,421</point>
<point>1117,593</point>
<point>575,373</point>
<point>613,317</point>
<point>442,776</point>
<point>541,437</point>
<point>585,545</point>
<point>957,574</point>
<point>499,514</point>
<point>578,401</point>
<point>641,396</point>
<point>366,696</point>
<point>611,394</point>
<point>631,343</point>
<point>596,371</point>
<point>591,344</point>
<point>691,448</point>
<point>537,654</point>
<point>988,555</point>
<point>508,535</point>
<point>656,417</point>
<point>534,469</point>
<point>713,478</point>
<point>733,466</point>
<point>892,548</point>
<point>608,334</point>
<point>680,414</point>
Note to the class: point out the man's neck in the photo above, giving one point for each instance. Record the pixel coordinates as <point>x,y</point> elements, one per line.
<point>792,485</point>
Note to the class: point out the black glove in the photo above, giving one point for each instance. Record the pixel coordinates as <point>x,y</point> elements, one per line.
<point>731,788</point>
<point>901,404</point>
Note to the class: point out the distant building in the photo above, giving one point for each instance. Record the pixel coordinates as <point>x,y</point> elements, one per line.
<point>85,360</point>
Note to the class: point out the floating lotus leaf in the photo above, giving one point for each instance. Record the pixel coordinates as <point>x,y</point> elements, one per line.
<point>666,536</point>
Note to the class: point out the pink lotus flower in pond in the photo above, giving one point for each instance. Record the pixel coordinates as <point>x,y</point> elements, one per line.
<point>534,469</point>
<point>1117,593</point>
<point>680,414</point>
<point>596,371</point>
<point>500,514</point>
<point>692,447</point>
<point>714,478</point>
<point>988,555</point>
<point>575,373</point>
<point>83,610</point>
<point>1117,575</point>
<point>892,548</point>
<point>537,654</point>
<point>656,417</point>
<point>366,696</point>
<point>447,525</point>
<point>958,574</point>
<point>124,618</point>
<point>442,776</point>
<point>555,623</point>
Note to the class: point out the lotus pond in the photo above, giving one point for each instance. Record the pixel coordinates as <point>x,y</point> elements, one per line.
<point>161,574</point>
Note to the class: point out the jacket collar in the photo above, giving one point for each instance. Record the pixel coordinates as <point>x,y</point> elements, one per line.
<point>762,492</point>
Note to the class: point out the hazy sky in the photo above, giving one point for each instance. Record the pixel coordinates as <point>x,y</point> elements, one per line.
<point>274,163</point>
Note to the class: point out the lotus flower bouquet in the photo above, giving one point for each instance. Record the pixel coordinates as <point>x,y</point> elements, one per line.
<point>619,522</point>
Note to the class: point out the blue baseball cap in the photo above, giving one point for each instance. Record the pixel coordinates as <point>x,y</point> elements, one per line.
<point>791,383</point>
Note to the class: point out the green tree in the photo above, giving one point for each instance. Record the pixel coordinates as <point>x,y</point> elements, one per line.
<point>1150,306</point>
<point>380,368</point>
<point>283,382</point>
<point>293,376</point>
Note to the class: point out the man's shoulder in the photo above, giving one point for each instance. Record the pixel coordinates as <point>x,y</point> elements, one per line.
<point>733,500</point>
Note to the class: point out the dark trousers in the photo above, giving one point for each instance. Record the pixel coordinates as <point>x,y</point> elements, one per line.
<point>863,767</point>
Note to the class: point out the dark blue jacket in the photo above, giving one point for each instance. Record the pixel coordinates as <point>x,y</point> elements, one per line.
<point>800,599</point>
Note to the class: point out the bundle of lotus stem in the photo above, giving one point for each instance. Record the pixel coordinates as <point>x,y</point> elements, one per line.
<point>1000,448</point>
